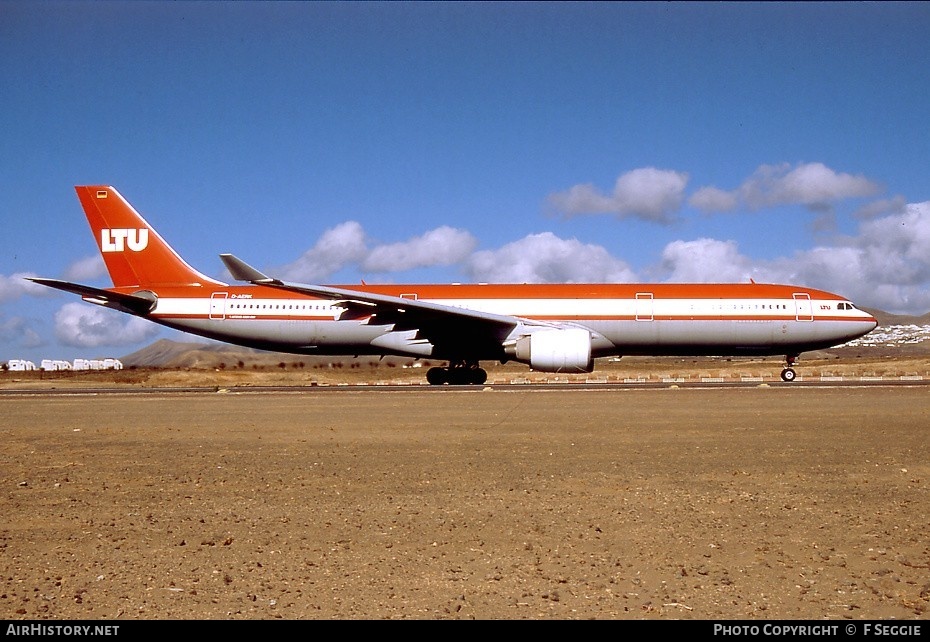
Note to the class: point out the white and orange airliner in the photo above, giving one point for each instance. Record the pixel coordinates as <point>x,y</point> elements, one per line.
<point>549,327</point>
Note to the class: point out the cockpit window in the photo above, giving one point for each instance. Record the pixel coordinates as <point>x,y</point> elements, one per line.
<point>846,306</point>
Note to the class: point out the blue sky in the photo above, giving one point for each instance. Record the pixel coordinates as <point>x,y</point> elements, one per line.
<point>411,142</point>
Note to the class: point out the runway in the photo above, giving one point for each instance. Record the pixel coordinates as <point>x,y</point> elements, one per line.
<point>577,386</point>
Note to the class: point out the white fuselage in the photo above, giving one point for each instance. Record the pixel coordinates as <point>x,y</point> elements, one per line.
<point>645,323</point>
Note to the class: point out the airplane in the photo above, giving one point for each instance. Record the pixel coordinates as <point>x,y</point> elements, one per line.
<point>559,328</point>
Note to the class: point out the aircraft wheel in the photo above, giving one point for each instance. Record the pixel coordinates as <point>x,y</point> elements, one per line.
<point>788,374</point>
<point>458,375</point>
<point>462,377</point>
<point>437,376</point>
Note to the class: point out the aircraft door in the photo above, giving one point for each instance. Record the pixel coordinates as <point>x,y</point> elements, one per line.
<point>802,307</point>
<point>218,305</point>
<point>644,306</point>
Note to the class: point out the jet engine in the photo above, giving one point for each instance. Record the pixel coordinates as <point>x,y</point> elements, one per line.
<point>562,350</point>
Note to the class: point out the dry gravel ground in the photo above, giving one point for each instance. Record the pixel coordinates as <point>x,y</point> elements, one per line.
<point>761,503</point>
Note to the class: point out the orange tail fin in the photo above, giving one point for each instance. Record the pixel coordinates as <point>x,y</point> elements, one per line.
<point>135,254</point>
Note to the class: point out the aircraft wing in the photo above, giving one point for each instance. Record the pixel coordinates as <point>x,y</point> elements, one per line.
<point>140,303</point>
<point>376,303</point>
<point>444,326</point>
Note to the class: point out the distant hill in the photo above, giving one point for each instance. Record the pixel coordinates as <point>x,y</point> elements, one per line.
<point>176,354</point>
<point>886,318</point>
<point>166,353</point>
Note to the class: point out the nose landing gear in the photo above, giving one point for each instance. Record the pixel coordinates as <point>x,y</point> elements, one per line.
<point>788,374</point>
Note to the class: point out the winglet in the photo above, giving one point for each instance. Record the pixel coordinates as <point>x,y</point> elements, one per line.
<point>242,271</point>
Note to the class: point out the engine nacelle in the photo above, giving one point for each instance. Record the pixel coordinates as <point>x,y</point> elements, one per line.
<point>567,350</point>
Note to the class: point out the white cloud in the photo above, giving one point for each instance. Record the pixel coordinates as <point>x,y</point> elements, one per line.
<point>646,193</point>
<point>712,199</point>
<point>546,258</point>
<point>705,261</point>
<point>835,269</point>
<point>903,239</point>
<point>337,247</point>
<point>813,185</point>
<point>86,269</point>
<point>347,245</point>
<point>859,273</point>
<point>892,260</point>
<point>19,331</point>
<point>810,184</point>
<point>877,208</point>
<point>85,326</point>
<point>895,249</point>
<point>886,265</point>
<point>14,286</point>
<point>442,246</point>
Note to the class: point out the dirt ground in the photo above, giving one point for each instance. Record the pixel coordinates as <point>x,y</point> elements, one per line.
<point>765,502</point>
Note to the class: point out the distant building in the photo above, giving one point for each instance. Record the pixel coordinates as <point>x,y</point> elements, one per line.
<point>54,365</point>
<point>60,365</point>
<point>97,364</point>
<point>20,365</point>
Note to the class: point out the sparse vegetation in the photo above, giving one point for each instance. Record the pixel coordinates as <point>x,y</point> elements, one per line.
<point>399,371</point>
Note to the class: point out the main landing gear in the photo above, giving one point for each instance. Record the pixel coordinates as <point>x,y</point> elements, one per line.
<point>788,374</point>
<point>459,373</point>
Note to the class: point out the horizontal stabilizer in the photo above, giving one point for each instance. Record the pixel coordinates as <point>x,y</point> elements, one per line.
<point>138,303</point>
